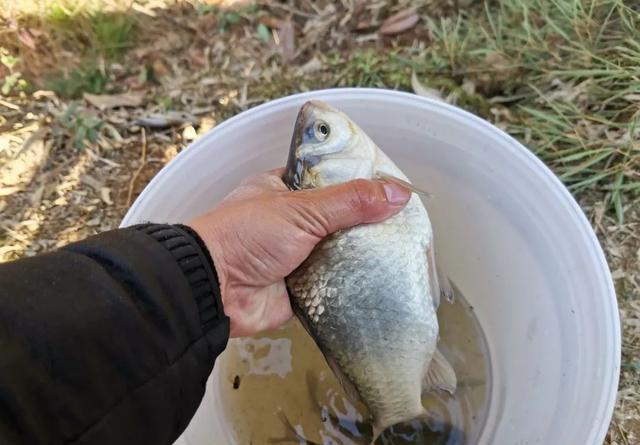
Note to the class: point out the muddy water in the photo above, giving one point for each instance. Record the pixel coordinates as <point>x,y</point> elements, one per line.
<point>277,388</point>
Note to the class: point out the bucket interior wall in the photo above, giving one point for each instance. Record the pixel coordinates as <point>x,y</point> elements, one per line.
<point>507,233</point>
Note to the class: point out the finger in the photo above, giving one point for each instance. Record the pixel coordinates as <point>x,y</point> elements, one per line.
<point>257,185</point>
<point>350,204</point>
<point>269,180</point>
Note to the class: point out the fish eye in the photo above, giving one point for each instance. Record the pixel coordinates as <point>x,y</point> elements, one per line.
<point>321,130</point>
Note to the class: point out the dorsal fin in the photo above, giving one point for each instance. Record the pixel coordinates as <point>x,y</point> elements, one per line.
<point>401,182</point>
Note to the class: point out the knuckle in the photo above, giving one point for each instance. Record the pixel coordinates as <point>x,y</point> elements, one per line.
<point>363,194</point>
<point>308,216</point>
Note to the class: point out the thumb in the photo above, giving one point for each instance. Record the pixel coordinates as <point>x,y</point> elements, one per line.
<point>341,206</point>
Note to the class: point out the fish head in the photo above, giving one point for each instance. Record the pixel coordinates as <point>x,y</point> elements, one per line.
<point>327,148</point>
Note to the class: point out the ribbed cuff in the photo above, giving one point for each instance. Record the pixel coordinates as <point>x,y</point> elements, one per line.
<point>194,259</point>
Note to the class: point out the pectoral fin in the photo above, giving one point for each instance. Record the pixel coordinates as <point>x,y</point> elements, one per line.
<point>440,375</point>
<point>344,381</point>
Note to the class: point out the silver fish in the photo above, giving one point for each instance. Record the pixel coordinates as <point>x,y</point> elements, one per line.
<point>368,295</point>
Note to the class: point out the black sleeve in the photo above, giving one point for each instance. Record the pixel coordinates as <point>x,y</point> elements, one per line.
<point>109,340</point>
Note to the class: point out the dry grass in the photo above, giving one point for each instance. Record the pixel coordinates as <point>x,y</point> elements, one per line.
<point>563,76</point>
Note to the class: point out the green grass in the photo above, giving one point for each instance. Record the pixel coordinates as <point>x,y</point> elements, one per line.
<point>89,29</point>
<point>112,34</point>
<point>94,36</point>
<point>563,76</point>
<point>228,17</point>
<point>79,36</point>
<point>81,129</point>
<point>77,81</point>
<point>13,80</point>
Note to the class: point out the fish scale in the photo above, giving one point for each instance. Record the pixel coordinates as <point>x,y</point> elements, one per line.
<point>369,286</point>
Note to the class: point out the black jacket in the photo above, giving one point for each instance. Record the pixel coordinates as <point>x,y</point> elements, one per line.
<point>109,340</point>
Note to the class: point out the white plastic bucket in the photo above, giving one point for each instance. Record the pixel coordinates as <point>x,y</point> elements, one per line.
<point>507,232</point>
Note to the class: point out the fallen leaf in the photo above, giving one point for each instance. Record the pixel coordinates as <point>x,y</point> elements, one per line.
<point>43,94</point>
<point>618,274</point>
<point>106,101</point>
<point>423,91</point>
<point>8,190</point>
<point>400,22</point>
<point>497,60</point>
<point>92,182</point>
<point>205,24</point>
<point>271,22</point>
<point>113,132</point>
<point>359,6</point>
<point>105,194</point>
<point>165,44</point>
<point>36,195</point>
<point>25,37</point>
<point>469,86</point>
<point>311,66</point>
<point>133,82</point>
<point>208,81</point>
<point>502,113</point>
<point>263,32</point>
<point>166,120</point>
<point>12,24</point>
<point>364,25</point>
<point>206,124</point>
<point>25,165</point>
<point>287,40</point>
<point>159,68</point>
<point>36,32</point>
<point>9,105</point>
<point>189,133</point>
<point>142,9</point>
<point>197,57</point>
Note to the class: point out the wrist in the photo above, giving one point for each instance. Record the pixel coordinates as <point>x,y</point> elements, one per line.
<point>209,237</point>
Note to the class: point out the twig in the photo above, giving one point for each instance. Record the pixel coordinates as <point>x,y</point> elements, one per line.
<point>9,105</point>
<point>143,161</point>
<point>14,234</point>
<point>622,433</point>
<point>95,157</point>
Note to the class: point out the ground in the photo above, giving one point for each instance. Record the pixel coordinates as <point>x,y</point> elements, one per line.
<point>98,95</point>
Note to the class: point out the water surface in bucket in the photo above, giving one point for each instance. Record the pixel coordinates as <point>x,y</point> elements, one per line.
<point>277,388</point>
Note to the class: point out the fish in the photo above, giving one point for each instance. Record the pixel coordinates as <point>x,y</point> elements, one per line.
<point>369,295</point>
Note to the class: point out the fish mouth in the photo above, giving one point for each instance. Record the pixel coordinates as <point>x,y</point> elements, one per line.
<point>296,166</point>
<point>293,175</point>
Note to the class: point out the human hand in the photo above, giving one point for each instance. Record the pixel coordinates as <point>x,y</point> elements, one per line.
<point>262,232</point>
